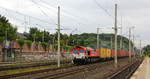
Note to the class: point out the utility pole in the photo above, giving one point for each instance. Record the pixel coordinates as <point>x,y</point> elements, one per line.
<point>43,36</point>
<point>53,43</point>
<point>5,44</point>
<point>111,42</point>
<point>25,23</point>
<point>6,34</point>
<point>34,37</point>
<point>98,39</point>
<point>130,44</point>
<point>121,35</point>
<point>121,40</point>
<point>133,45</point>
<point>58,50</point>
<point>140,47</point>
<point>116,29</point>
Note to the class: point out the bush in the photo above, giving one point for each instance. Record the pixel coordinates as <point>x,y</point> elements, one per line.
<point>21,42</point>
<point>28,42</point>
<point>45,45</point>
<point>2,39</point>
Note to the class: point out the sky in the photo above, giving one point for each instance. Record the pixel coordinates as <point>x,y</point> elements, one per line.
<point>83,15</point>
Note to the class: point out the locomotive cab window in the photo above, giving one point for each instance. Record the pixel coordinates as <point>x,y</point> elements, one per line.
<point>81,51</point>
<point>78,51</point>
<point>75,51</point>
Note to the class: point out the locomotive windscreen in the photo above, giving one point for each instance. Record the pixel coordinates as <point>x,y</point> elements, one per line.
<point>78,51</point>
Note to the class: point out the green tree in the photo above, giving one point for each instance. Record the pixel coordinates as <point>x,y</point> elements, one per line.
<point>39,36</point>
<point>45,45</point>
<point>146,50</point>
<point>28,42</point>
<point>7,31</point>
<point>33,33</point>
<point>21,43</point>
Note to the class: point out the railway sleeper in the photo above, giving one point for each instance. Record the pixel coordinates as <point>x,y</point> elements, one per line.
<point>127,71</point>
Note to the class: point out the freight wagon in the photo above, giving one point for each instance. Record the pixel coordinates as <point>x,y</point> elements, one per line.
<point>83,55</point>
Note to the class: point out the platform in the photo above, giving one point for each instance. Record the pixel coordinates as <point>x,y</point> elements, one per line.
<point>143,72</point>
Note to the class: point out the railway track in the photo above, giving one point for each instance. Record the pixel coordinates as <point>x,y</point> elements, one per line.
<point>74,70</point>
<point>124,73</point>
<point>55,73</point>
<point>30,73</point>
<point>127,71</point>
<point>29,65</point>
<point>62,73</point>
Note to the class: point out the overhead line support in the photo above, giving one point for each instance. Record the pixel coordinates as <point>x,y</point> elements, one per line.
<point>116,29</point>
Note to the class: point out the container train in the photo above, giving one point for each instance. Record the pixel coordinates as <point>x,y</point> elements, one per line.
<point>83,55</point>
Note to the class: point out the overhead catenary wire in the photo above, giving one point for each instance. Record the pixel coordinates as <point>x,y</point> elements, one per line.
<point>41,10</point>
<point>66,13</point>
<point>106,11</point>
<point>101,7</point>
<point>38,5</point>
<point>22,20</point>
<point>16,12</point>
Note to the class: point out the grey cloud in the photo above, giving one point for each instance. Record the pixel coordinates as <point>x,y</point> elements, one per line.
<point>86,15</point>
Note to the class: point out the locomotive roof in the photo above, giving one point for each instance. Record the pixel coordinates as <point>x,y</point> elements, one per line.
<point>82,47</point>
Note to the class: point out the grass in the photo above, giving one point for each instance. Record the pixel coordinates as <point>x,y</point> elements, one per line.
<point>17,71</point>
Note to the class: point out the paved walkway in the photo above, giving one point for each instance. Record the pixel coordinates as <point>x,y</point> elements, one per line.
<point>143,72</point>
